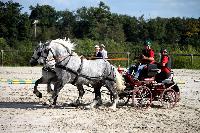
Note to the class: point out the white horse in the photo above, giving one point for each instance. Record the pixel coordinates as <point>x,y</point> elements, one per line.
<point>70,68</point>
<point>48,74</point>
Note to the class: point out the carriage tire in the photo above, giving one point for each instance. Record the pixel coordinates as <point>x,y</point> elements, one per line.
<point>178,96</point>
<point>169,98</point>
<point>177,90</point>
<point>142,97</point>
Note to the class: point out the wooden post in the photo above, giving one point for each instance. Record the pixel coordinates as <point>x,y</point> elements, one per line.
<point>2,51</point>
<point>191,59</point>
<point>128,55</point>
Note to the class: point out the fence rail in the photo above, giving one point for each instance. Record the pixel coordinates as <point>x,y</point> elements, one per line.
<point>20,58</point>
<point>187,55</point>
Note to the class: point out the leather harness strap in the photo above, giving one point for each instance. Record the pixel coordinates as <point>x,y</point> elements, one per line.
<point>78,71</point>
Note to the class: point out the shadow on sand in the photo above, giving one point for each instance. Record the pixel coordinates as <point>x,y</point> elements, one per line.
<point>34,105</point>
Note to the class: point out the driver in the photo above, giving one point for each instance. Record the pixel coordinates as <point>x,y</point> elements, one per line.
<point>147,57</point>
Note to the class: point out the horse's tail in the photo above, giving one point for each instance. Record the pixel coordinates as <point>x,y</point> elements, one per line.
<point>119,81</point>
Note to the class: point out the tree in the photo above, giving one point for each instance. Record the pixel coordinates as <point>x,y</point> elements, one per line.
<point>65,24</point>
<point>130,27</point>
<point>156,28</point>
<point>47,16</point>
<point>24,27</point>
<point>9,19</point>
<point>93,20</point>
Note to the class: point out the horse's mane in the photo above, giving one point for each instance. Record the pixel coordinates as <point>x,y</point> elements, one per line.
<point>67,43</point>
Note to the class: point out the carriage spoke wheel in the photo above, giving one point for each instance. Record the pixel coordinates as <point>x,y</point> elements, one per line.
<point>168,98</point>
<point>142,97</point>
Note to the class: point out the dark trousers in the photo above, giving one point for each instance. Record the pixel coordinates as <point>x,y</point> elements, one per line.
<point>162,76</point>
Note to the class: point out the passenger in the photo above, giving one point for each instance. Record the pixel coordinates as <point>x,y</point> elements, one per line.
<point>147,57</point>
<point>164,65</point>
<point>98,54</point>
<point>103,51</point>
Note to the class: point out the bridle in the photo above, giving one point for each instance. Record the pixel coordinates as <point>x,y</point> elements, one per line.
<point>57,58</point>
<point>39,54</point>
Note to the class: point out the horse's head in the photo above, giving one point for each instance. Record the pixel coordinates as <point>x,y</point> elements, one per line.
<point>58,50</point>
<point>38,55</point>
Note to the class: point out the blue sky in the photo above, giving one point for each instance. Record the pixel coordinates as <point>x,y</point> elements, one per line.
<point>150,8</point>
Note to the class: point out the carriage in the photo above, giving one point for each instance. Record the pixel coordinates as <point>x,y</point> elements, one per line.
<point>146,91</point>
<point>70,68</point>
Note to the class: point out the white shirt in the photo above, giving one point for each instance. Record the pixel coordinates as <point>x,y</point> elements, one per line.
<point>104,53</point>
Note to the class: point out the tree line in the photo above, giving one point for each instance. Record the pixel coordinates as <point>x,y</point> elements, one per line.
<point>94,25</point>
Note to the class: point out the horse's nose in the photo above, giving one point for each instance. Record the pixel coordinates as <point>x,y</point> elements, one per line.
<point>33,63</point>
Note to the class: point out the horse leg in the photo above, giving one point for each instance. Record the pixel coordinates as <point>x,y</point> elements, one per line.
<point>81,93</point>
<point>110,87</point>
<point>97,100</point>
<point>49,90</point>
<point>35,91</point>
<point>57,87</point>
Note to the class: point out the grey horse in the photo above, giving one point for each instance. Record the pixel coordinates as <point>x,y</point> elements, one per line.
<point>70,68</point>
<point>48,74</point>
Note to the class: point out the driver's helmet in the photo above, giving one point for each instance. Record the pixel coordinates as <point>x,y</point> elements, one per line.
<point>163,50</point>
<point>147,43</point>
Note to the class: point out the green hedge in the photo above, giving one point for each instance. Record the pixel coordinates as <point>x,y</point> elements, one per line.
<point>22,54</point>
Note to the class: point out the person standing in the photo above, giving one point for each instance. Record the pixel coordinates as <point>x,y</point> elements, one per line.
<point>103,51</point>
<point>97,52</point>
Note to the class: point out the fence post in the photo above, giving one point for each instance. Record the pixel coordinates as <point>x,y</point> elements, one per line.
<point>128,55</point>
<point>2,51</point>
<point>191,59</point>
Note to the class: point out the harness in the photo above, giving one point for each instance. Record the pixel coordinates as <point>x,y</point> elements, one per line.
<point>77,72</point>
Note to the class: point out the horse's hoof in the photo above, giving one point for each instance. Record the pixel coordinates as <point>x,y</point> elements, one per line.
<point>40,95</point>
<point>88,107</point>
<point>113,108</point>
<point>44,104</point>
<point>73,104</point>
<point>52,106</point>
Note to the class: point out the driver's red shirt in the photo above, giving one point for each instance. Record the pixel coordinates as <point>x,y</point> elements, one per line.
<point>165,69</point>
<point>148,53</point>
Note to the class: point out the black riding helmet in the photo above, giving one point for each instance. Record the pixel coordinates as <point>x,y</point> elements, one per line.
<point>163,50</point>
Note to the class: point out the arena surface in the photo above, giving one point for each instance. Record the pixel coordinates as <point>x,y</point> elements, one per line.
<point>22,112</point>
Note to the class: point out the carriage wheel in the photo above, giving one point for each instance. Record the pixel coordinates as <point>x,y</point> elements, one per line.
<point>178,96</point>
<point>168,98</point>
<point>142,97</point>
<point>177,90</point>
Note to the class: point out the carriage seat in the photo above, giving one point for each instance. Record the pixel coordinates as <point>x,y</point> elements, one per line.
<point>154,70</point>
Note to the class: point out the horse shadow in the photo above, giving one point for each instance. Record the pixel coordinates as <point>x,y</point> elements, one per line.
<point>21,105</point>
<point>35,105</point>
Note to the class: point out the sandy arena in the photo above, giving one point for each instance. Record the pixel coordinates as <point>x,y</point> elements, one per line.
<point>22,112</point>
